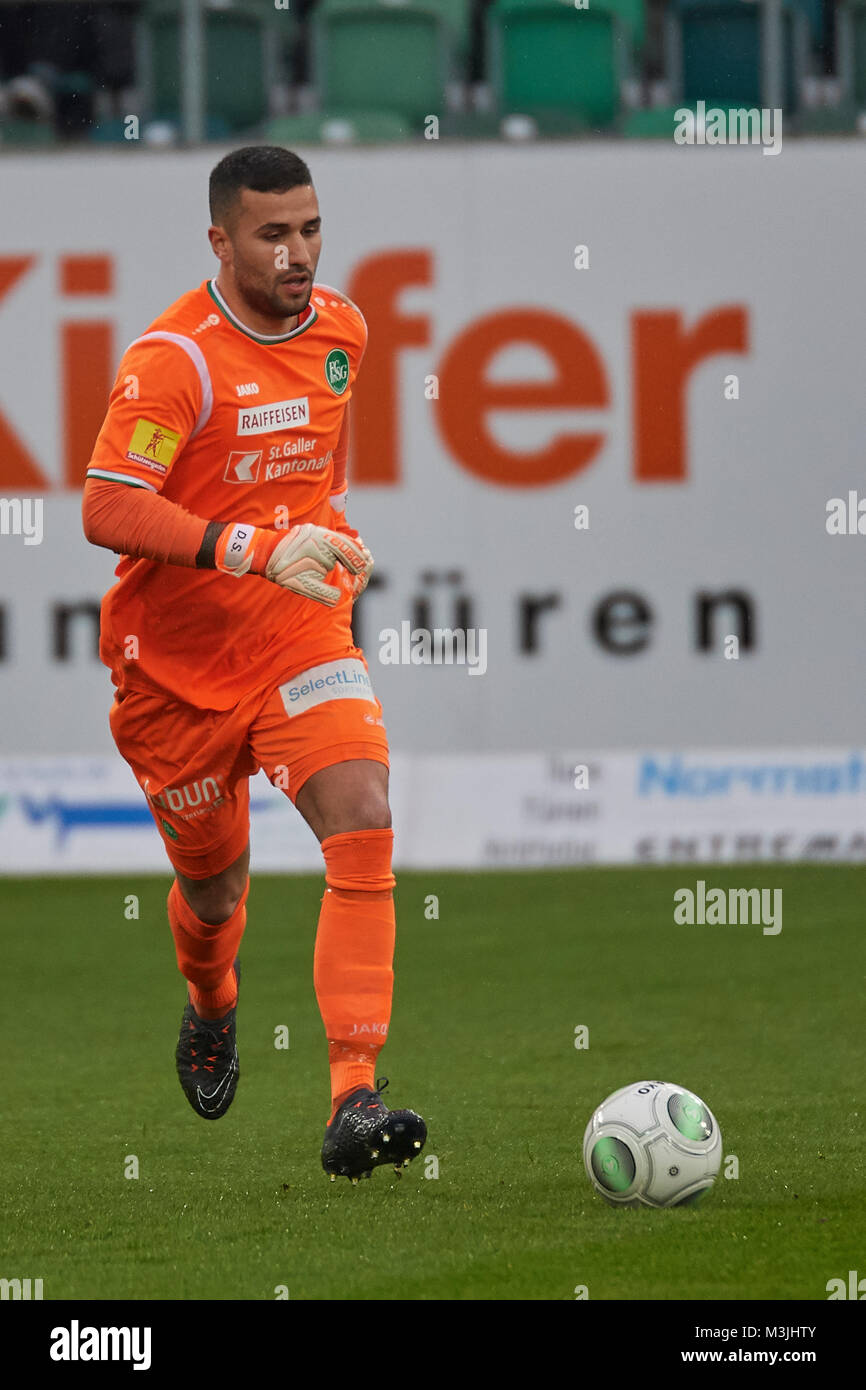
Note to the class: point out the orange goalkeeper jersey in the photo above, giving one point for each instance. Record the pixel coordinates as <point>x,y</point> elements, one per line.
<point>233,426</point>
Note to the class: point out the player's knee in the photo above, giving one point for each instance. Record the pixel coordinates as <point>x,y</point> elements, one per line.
<point>369,812</point>
<point>373,812</point>
<point>377,812</point>
<point>219,909</point>
<point>214,900</point>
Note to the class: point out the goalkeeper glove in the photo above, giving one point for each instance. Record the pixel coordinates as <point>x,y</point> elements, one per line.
<point>298,559</point>
<point>356,582</point>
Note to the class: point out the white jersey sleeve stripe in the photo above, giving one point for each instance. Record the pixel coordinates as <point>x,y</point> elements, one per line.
<point>119,478</point>
<point>197,357</point>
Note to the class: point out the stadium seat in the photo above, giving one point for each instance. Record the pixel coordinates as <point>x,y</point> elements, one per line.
<point>337,128</point>
<point>20,132</point>
<point>114,131</point>
<point>457,15</point>
<point>813,10</point>
<point>110,132</point>
<point>828,120</point>
<point>631,12</point>
<point>377,57</point>
<point>239,47</point>
<point>851,50</point>
<point>551,61</point>
<point>715,49</point>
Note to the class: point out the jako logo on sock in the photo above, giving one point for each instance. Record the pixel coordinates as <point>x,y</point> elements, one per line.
<point>75,1343</point>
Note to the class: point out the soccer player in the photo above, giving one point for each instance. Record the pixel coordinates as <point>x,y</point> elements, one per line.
<point>219,476</point>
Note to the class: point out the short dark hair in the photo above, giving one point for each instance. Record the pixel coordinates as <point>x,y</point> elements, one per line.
<point>263,168</point>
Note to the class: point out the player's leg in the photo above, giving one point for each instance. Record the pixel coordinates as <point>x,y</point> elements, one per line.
<point>336,755</point>
<point>208,917</point>
<point>346,807</point>
<point>345,797</point>
<point>194,766</point>
<point>338,779</point>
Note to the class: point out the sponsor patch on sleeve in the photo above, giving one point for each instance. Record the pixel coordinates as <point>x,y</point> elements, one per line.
<point>153,445</point>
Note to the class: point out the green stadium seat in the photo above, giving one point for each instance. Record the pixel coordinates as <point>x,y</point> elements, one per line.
<point>633,13</point>
<point>550,60</point>
<point>851,49</point>
<point>649,123</point>
<point>110,132</point>
<point>29,133</point>
<point>457,15</point>
<point>813,11</point>
<point>113,131</point>
<point>720,48</point>
<point>237,59</point>
<point>382,57</point>
<point>828,120</point>
<point>337,128</point>
<point>469,125</point>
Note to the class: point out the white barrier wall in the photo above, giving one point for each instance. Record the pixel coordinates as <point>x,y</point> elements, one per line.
<point>671,338</point>
<point>487,810</point>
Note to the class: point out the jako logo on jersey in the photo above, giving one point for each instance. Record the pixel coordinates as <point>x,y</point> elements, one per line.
<point>248,388</point>
<point>337,370</point>
<point>210,322</point>
<point>278,415</point>
<point>242,467</point>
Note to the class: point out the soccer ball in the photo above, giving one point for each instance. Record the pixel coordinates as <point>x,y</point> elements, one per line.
<point>652,1144</point>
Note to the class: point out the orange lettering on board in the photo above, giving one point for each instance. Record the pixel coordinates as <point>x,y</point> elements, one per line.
<point>19,471</point>
<point>375,286</point>
<point>664,355</point>
<point>467,396</point>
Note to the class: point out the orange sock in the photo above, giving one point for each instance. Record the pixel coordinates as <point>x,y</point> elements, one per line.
<point>206,954</point>
<point>352,966</point>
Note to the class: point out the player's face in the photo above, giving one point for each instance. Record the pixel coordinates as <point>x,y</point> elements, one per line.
<point>274,249</point>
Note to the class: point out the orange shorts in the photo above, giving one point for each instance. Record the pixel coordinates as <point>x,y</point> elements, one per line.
<point>194,764</point>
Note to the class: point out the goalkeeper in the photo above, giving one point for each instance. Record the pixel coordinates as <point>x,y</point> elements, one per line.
<point>219,476</point>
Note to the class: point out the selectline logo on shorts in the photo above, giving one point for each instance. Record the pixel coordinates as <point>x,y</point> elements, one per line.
<point>333,680</point>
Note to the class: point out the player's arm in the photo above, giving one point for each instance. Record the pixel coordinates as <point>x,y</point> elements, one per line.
<point>160,399</point>
<point>136,522</point>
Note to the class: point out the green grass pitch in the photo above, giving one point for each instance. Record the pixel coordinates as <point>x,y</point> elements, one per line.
<point>768,1030</point>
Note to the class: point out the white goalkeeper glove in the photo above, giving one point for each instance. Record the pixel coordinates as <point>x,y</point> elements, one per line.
<point>298,559</point>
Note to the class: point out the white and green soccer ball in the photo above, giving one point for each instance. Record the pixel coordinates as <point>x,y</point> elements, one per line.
<point>652,1144</point>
